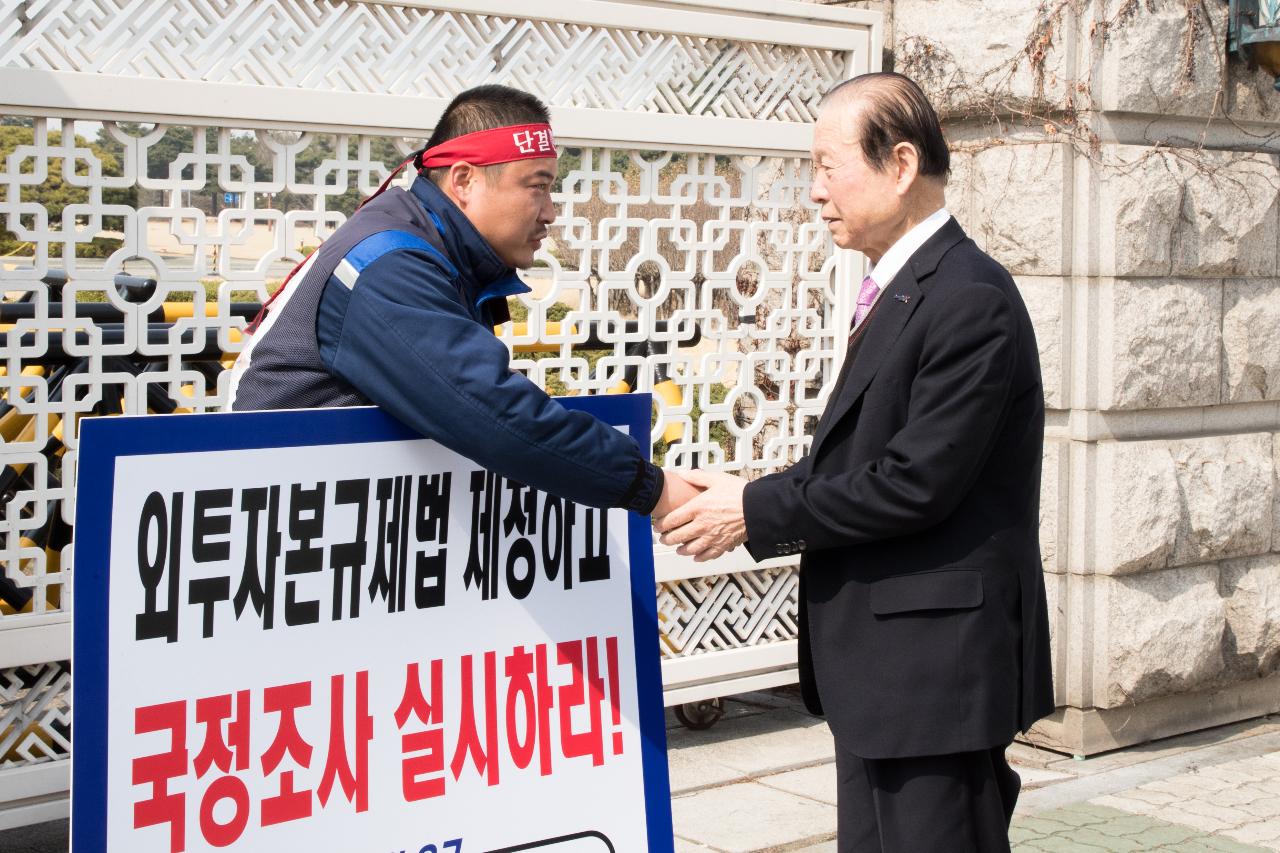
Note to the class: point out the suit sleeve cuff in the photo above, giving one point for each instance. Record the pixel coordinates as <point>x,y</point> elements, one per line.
<point>755,501</point>
<point>645,490</point>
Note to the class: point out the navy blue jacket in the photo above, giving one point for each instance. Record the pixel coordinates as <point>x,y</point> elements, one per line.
<point>410,329</point>
<point>922,621</point>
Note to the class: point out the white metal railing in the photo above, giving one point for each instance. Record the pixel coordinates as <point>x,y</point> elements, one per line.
<point>205,144</point>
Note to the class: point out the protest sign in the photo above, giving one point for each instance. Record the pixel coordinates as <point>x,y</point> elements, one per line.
<point>315,630</point>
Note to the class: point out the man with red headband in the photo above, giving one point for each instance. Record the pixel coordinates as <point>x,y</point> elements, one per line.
<point>397,309</point>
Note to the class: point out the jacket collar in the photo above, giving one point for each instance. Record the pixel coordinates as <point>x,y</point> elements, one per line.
<point>483,274</point>
<point>902,296</point>
<point>926,259</point>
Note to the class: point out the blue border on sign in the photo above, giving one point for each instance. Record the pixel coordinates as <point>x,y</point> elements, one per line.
<point>104,440</point>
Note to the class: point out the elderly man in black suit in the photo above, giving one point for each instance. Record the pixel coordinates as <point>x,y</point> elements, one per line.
<point>923,632</point>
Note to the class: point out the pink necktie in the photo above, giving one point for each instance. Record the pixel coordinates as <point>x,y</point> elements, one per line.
<point>866,298</point>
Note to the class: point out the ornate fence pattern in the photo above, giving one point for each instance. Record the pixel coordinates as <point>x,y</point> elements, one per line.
<point>35,718</point>
<point>375,47</point>
<point>686,248</point>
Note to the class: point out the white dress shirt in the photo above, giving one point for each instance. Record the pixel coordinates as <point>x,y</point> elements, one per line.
<point>900,252</point>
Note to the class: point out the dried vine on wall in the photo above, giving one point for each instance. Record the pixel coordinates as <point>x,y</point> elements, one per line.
<point>1067,111</point>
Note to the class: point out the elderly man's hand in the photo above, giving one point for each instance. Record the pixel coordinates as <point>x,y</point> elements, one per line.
<point>710,524</point>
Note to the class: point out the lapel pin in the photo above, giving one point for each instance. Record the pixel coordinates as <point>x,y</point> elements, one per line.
<point>902,297</point>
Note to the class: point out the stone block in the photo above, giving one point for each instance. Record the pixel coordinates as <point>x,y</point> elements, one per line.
<point>1047,303</point>
<point>1199,214</point>
<point>1157,633</point>
<point>1172,503</point>
<point>1021,199</point>
<point>1053,508</point>
<point>1229,216</point>
<point>1162,57</point>
<point>960,188</point>
<point>1139,196</point>
<point>1252,591</point>
<point>1250,96</point>
<point>1139,506</point>
<point>1016,55</point>
<point>1159,344</point>
<point>1228,491</point>
<point>1275,511</point>
<point>1061,636</point>
<point>1251,340</point>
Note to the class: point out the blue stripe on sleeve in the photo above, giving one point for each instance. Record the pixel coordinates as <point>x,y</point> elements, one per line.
<point>376,245</point>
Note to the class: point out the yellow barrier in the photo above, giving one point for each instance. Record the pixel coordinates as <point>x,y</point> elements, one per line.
<point>550,329</point>
<point>669,392</point>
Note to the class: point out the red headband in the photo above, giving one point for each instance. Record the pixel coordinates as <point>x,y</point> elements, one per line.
<point>487,147</point>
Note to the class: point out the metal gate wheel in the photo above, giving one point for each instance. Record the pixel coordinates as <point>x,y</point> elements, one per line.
<point>699,715</point>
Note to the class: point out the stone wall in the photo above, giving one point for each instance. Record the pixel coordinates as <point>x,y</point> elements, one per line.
<point>1125,170</point>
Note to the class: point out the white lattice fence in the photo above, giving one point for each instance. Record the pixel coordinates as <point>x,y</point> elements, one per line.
<point>206,145</point>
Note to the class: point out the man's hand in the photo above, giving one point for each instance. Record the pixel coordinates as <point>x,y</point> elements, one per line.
<point>676,492</point>
<point>712,523</point>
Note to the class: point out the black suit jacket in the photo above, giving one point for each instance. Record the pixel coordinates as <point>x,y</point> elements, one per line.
<point>922,610</point>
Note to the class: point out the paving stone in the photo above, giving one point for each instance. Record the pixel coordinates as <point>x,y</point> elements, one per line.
<point>1041,826</point>
<point>1202,845</point>
<point>1034,777</point>
<point>1182,815</point>
<point>1238,771</point>
<point>1236,798</point>
<point>1021,832</point>
<point>1084,814</point>
<point>1150,797</point>
<point>816,783</point>
<point>693,772</point>
<point>1173,785</point>
<point>1266,832</point>
<point>1129,825</point>
<point>1207,781</point>
<point>1165,835</point>
<point>1104,838</point>
<point>759,745</point>
<point>1265,807</point>
<point>1128,802</point>
<point>1169,796</point>
<point>749,746</point>
<point>749,817</point>
<point>1256,769</point>
<point>1234,847</point>
<point>1058,844</point>
<point>1223,845</point>
<point>1100,825</point>
<point>1227,815</point>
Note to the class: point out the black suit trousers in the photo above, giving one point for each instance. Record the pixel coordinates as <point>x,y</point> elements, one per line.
<point>958,803</point>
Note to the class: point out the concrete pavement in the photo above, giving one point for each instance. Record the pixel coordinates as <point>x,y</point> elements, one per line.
<point>763,779</point>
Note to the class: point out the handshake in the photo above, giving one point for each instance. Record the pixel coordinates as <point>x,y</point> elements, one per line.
<point>701,513</point>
